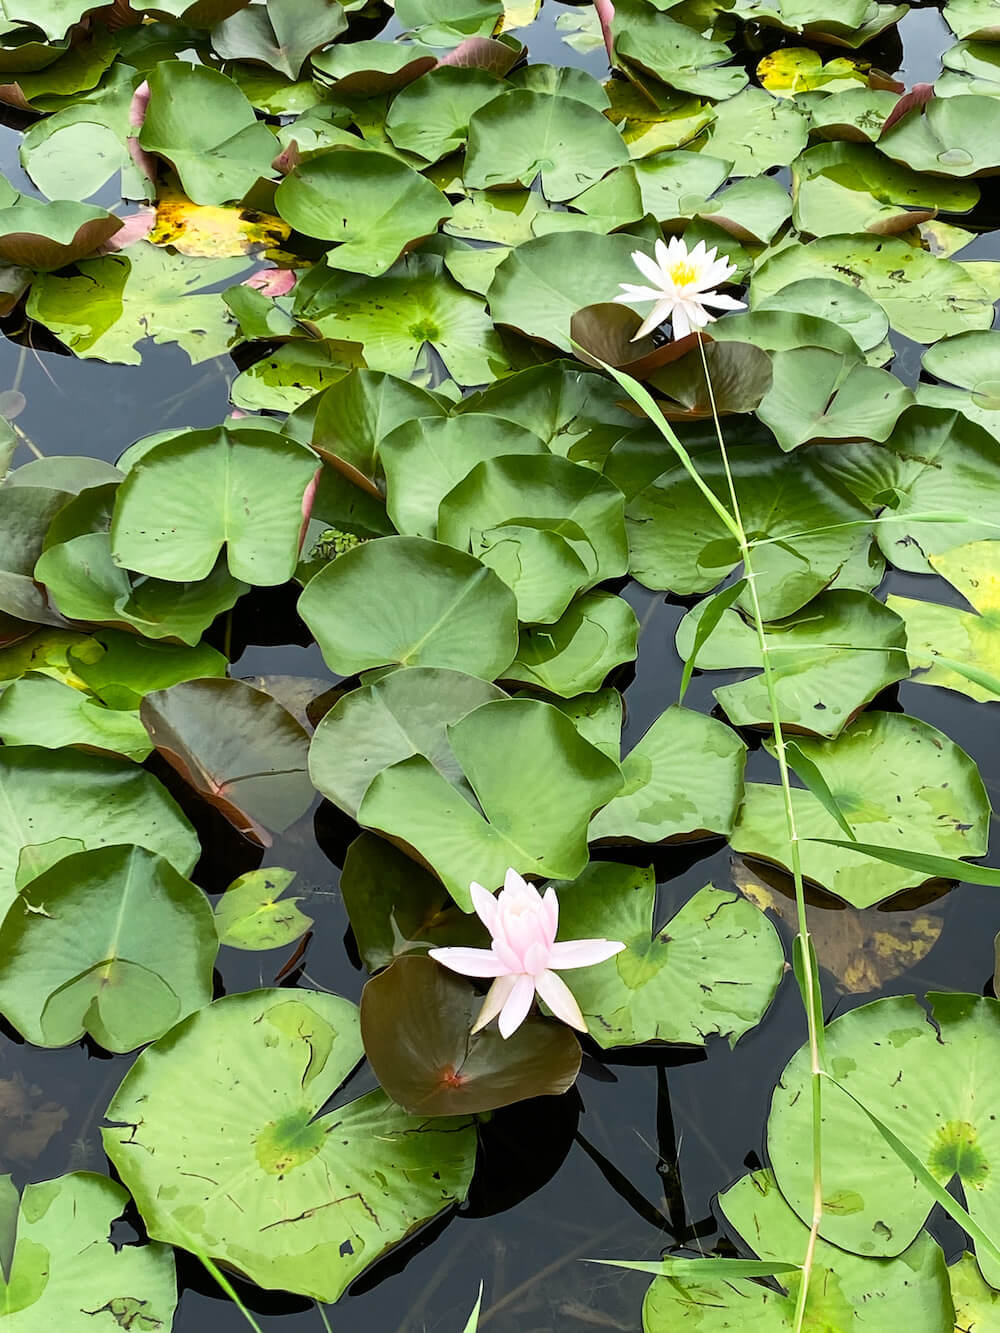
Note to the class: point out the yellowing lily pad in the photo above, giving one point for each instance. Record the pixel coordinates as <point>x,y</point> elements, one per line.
<point>214,231</point>
<point>797,69</point>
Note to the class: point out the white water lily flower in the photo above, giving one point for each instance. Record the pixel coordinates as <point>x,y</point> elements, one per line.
<point>523,955</point>
<point>684,286</point>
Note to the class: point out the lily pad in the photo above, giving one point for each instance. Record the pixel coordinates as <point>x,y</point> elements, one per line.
<point>926,1077</point>
<point>666,798</point>
<point>935,462</point>
<point>375,206</point>
<point>113,942</point>
<point>974,18</point>
<point>654,43</point>
<point>899,782</point>
<point>120,669</point>
<point>820,678</point>
<point>43,236</point>
<point>677,541</point>
<point>91,799</point>
<point>534,816</point>
<point>372,68</point>
<point>932,629</point>
<point>845,1291</point>
<point>200,122</point>
<point>712,970</point>
<point>430,117</point>
<point>109,305</point>
<point>402,714</point>
<point>515,137</point>
<point>972,362</point>
<point>596,633</point>
<point>416,1020</point>
<point>825,298</point>
<point>233,1197</point>
<point>198,492</point>
<point>818,395</point>
<point>393,317</point>
<point>925,298</point>
<point>852,23</point>
<point>755,132</point>
<point>253,913</point>
<point>952,136</point>
<point>295,373</point>
<point>61,1260</point>
<point>197,13</point>
<point>38,710</point>
<point>237,747</point>
<point>282,34</point>
<point>425,458</point>
<point>792,70</point>
<point>414,602</point>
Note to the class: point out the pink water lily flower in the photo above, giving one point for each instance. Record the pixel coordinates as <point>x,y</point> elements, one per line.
<point>683,280</point>
<point>524,955</point>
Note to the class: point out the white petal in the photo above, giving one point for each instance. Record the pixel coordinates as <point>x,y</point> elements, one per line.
<point>648,268</point>
<point>681,324</point>
<point>560,999</point>
<point>659,314</point>
<point>662,253</point>
<point>470,962</point>
<point>639,293</point>
<point>583,953</point>
<point>496,997</point>
<point>485,905</point>
<point>722,302</point>
<point>515,1011</point>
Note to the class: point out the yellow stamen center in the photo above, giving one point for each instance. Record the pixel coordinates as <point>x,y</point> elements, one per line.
<point>683,274</point>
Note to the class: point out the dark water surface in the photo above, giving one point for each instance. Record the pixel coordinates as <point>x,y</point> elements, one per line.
<point>629,1162</point>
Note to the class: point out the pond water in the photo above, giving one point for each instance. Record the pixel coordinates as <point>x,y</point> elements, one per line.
<point>629,1162</point>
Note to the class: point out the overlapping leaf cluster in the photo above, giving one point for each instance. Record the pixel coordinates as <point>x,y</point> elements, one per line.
<point>454,493</point>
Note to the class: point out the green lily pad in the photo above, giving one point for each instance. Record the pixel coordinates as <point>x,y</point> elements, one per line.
<point>926,1077</point>
<point>596,633</point>
<point>817,395</point>
<point>845,1291</point>
<point>972,362</point>
<point>666,798</point>
<point>25,513</point>
<point>198,492</point>
<point>282,34</point>
<point>85,583</point>
<point>755,131</point>
<point>935,462</point>
<point>857,114</point>
<point>712,970</point>
<point>355,416</point>
<point>430,117</point>
<point>974,18</point>
<point>899,783</point>
<point>207,130</point>
<point>196,13</point>
<point>970,638</point>
<point>671,186</point>
<point>43,236</point>
<point>653,42</point>
<point>970,67</point>
<point>677,541</point>
<point>92,799</point>
<point>784,331</point>
<point>402,714</point>
<point>541,285</point>
<point>61,1260</point>
<point>414,602</point>
<point>38,710</point>
<point>820,678</point>
<point>841,187</point>
<point>951,136</point>
<point>232,1196</point>
<point>925,298</point>
<point>120,669</point>
<point>548,527</point>
<point>425,458</point>
<point>253,913</point>
<point>54,17</point>
<point>534,815</point>
<point>393,317</point>
<point>237,748</point>
<point>515,137</point>
<point>825,298</point>
<point>111,941</point>
<point>372,204</point>
<point>852,23</point>
<point>372,68</point>
<point>416,1019</point>
<point>297,371</point>
<point>111,304</point>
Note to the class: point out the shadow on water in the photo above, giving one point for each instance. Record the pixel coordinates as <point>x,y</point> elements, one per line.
<point>631,1160</point>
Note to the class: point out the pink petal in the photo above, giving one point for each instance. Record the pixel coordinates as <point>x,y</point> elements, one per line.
<point>550,914</point>
<point>135,227</point>
<point>496,997</point>
<point>308,499</point>
<point>146,162</point>
<point>510,958</point>
<point>272,281</point>
<point>485,905</point>
<point>560,999</point>
<point>536,958</point>
<point>515,1011</point>
<point>470,962</point>
<point>583,953</point>
<point>606,16</point>
<point>139,105</point>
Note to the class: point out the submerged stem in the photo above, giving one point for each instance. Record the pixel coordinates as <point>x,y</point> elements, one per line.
<point>809,980</point>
